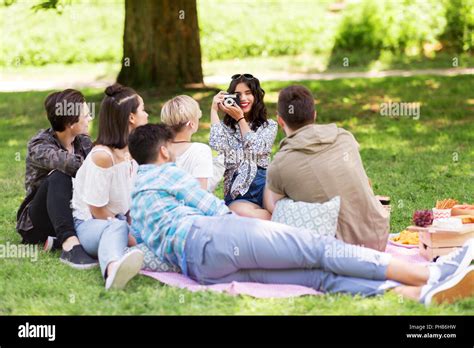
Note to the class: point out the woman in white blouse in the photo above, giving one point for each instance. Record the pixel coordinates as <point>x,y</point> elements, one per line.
<point>245,138</point>
<point>102,188</point>
<point>182,113</point>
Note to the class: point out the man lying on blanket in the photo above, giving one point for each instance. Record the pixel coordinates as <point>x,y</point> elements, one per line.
<point>190,228</point>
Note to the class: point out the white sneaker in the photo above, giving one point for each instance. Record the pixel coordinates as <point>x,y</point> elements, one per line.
<point>127,268</point>
<point>453,263</point>
<point>455,287</point>
<point>50,243</point>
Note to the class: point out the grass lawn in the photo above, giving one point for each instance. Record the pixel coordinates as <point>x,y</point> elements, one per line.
<point>300,64</point>
<point>413,161</point>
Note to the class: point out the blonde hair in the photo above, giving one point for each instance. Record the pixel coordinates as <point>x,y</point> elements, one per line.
<point>180,110</point>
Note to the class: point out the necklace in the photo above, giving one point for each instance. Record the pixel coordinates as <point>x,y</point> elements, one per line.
<point>181,142</point>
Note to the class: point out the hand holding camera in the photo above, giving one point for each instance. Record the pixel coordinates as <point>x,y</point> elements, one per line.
<point>218,99</point>
<point>228,103</point>
<point>231,100</point>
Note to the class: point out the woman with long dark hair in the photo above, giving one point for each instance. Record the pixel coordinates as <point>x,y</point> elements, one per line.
<point>102,188</point>
<point>245,137</point>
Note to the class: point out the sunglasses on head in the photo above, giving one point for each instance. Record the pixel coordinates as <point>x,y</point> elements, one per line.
<point>247,76</point>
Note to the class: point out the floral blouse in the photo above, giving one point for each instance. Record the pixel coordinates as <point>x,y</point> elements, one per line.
<point>242,156</point>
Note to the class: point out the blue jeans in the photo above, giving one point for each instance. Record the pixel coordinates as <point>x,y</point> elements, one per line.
<point>103,239</point>
<point>228,248</point>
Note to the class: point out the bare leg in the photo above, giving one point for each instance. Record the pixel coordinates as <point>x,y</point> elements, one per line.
<point>110,267</point>
<point>131,240</point>
<point>407,273</point>
<point>70,243</point>
<point>249,209</point>
<point>411,292</point>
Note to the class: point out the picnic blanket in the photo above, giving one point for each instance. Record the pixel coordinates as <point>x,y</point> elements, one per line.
<point>259,290</point>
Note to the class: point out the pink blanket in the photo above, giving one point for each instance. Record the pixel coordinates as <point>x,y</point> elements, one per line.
<point>260,290</point>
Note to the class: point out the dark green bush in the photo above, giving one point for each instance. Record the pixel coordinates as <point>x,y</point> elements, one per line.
<point>459,31</point>
<point>392,25</point>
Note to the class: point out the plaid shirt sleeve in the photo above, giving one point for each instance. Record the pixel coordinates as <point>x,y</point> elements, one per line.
<point>188,190</point>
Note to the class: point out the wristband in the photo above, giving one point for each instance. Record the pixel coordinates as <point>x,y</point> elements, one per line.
<point>240,119</point>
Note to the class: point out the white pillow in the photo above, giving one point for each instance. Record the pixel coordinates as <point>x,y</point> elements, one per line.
<point>151,262</point>
<point>319,217</point>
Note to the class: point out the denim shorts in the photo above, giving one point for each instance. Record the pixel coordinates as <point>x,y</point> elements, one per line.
<point>255,192</point>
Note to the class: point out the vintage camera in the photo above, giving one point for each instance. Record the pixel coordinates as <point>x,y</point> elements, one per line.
<point>231,99</point>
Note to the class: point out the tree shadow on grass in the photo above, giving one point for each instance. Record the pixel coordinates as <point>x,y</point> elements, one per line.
<point>360,59</point>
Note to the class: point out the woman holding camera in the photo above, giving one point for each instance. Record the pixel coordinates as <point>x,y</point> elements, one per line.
<point>245,137</point>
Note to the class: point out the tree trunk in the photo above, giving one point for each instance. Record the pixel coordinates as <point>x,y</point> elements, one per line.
<point>161,44</point>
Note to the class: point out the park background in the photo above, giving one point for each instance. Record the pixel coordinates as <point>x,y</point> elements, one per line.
<point>341,50</point>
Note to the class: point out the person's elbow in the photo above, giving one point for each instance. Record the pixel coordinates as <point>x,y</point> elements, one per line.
<point>214,144</point>
<point>270,199</point>
<point>203,183</point>
<point>100,212</point>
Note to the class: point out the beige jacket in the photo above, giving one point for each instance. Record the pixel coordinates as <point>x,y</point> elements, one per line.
<point>319,162</point>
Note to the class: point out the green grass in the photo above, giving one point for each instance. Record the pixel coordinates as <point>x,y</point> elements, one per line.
<point>272,28</point>
<point>413,161</point>
<point>89,73</point>
<point>334,63</point>
<point>92,32</point>
<point>89,32</point>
